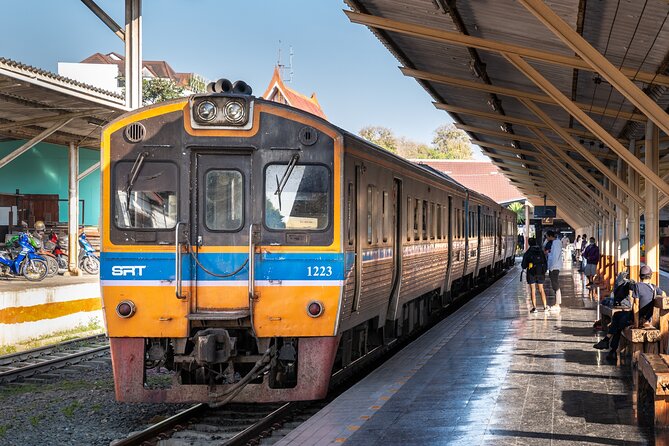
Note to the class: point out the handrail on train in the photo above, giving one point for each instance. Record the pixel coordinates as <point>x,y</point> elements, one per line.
<point>177,260</point>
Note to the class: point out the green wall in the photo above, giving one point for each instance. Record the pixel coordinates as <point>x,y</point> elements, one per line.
<point>44,169</point>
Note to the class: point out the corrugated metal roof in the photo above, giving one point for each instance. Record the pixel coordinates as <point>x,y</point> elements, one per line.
<point>42,98</point>
<point>632,35</point>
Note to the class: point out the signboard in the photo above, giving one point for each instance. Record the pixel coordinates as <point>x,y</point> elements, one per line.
<point>545,211</point>
<point>547,221</point>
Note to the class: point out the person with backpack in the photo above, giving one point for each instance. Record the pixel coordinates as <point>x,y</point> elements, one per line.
<point>641,296</point>
<point>534,261</point>
<point>591,255</point>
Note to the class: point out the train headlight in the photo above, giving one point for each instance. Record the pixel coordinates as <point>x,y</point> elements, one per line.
<point>206,111</point>
<point>125,308</point>
<point>315,308</point>
<point>234,112</point>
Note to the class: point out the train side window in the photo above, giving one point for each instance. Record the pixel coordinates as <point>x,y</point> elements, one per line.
<point>370,213</point>
<point>432,227</point>
<point>409,223</point>
<point>385,216</point>
<point>425,221</point>
<point>440,217</point>
<point>349,214</point>
<point>416,216</point>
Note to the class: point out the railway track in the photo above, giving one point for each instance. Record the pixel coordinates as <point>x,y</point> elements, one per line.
<point>42,360</point>
<point>264,424</point>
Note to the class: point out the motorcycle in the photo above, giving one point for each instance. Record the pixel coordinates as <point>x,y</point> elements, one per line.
<point>26,263</point>
<point>88,261</point>
<point>51,262</point>
<point>57,252</point>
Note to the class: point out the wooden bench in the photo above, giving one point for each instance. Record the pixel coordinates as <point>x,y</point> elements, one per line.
<point>653,389</point>
<point>635,341</point>
<point>606,315</point>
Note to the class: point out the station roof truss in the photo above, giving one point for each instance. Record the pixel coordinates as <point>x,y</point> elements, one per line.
<point>37,105</point>
<point>553,92</point>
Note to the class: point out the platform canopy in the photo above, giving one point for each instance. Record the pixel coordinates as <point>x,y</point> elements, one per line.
<point>37,105</point>
<point>553,92</point>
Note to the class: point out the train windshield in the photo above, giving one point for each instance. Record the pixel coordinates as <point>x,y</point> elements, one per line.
<point>303,201</point>
<point>150,200</point>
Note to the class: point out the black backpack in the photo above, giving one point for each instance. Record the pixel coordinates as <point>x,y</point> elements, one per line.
<point>535,256</point>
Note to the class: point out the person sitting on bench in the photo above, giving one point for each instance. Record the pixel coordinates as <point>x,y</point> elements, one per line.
<point>642,295</point>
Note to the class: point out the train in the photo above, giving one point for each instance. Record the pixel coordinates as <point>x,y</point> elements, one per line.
<point>249,248</point>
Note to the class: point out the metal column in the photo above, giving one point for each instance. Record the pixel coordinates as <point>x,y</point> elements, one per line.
<point>652,212</point>
<point>133,53</point>
<point>73,211</point>
<point>633,179</point>
<point>621,219</point>
<point>527,226</point>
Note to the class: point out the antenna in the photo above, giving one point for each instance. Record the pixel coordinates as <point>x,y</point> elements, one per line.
<point>282,67</point>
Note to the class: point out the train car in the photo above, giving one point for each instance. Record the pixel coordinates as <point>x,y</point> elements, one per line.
<point>249,247</point>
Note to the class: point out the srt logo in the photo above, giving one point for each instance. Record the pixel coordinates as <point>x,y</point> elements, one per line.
<point>128,270</point>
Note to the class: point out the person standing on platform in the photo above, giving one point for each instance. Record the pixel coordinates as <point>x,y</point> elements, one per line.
<point>553,250</point>
<point>576,254</point>
<point>591,255</point>
<point>534,261</point>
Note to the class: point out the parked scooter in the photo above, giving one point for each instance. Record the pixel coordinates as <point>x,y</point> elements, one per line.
<point>88,261</point>
<point>14,248</point>
<point>58,252</point>
<point>26,263</point>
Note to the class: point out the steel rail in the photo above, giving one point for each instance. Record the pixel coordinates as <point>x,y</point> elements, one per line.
<point>17,371</point>
<point>11,358</point>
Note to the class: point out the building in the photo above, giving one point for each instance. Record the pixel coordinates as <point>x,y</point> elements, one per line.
<point>481,176</point>
<point>107,71</point>
<point>278,91</point>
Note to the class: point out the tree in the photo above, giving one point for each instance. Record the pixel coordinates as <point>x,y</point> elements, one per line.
<point>451,143</point>
<point>381,136</point>
<point>159,90</point>
<point>519,209</point>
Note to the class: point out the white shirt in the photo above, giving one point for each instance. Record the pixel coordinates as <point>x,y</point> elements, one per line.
<point>554,257</point>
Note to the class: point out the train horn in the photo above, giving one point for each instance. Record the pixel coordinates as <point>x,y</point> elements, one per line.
<point>223,86</point>
<point>242,87</point>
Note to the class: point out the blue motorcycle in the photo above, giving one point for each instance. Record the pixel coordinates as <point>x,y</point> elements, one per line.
<point>26,263</point>
<point>88,261</point>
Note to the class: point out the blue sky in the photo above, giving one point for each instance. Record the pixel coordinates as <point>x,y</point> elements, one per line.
<point>354,76</point>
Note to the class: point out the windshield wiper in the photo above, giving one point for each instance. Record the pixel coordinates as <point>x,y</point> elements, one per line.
<point>280,184</point>
<point>132,176</point>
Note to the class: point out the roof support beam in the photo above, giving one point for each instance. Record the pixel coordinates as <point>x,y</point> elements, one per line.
<point>503,148</point>
<point>506,118</point>
<point>600,187</point>
<point>29,144</point>
<point>88,171</point>
<point>509,158</point>
<point>588,123</point>
<point>600,64</point>
<point>439,35</point>
<point>102,15</point>
<point>448,80</point>
<point>574,181</point>
<point>42,119</point>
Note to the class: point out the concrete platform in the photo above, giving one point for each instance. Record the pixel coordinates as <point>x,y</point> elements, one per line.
<point>29,310</point>
<point>491,374</point>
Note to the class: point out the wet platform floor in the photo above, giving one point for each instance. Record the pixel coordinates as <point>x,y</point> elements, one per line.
<point>492,374</point>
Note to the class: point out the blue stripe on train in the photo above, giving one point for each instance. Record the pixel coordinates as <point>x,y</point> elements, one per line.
<point>279,266</point>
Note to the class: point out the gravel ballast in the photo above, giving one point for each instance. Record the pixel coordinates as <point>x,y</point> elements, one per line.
<point>77,407</point>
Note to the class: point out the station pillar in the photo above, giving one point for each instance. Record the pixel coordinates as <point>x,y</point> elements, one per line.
<point>621,218</point>
<point>652,211</point>
<point>73,211</point>
<point>633,217</point>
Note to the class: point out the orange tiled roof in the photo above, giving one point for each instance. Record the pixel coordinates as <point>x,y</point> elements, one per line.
<point>481,176</point>
<point>277,91</point>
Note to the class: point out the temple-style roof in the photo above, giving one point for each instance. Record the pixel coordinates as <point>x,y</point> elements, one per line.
<point>277,91</point>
